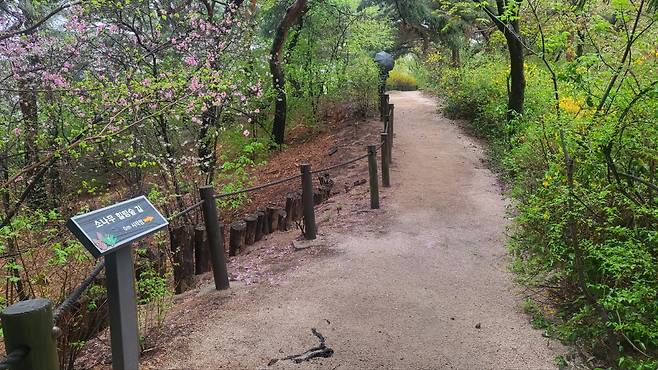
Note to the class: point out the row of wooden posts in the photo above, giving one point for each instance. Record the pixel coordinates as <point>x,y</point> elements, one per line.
<point>190,245</point>
<point>30,335</point>
<point>273,218</point>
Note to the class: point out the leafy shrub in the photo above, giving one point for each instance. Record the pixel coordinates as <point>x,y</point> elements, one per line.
<point>413,65</point>
<point>593,241</point>
<point>401,81</point>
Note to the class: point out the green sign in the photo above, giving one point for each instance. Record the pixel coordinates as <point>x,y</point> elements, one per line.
<point>105,230</point>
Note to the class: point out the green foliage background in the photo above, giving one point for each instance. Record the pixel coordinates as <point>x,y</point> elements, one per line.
<point>602,275</point>
<point>590,249</point>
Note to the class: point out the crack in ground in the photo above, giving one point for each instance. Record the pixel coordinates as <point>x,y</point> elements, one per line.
<point>320,351</point>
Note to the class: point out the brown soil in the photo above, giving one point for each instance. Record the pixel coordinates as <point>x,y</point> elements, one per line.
<point>342,136</point>
<point>419,284</point>
<point>269,261</point>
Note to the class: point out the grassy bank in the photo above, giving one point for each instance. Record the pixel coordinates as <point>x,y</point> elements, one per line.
<point>585,238</point>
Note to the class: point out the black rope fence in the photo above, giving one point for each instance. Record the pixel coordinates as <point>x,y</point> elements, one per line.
<point>75,295</point>
<point>259,187</point>
<point>78,291</point>
<point>286,179</point>
<point>185,211</point>
<point>339,164</point>
<point>220,275</point>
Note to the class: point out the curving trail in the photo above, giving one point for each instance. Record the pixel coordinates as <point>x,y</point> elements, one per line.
<point>405,292</point>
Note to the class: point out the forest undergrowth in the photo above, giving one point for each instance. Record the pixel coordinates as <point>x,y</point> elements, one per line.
<point>584,240</point>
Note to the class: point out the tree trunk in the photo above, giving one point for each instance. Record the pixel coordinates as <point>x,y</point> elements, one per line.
<point>182,247</point>
<point>169,160</point>
<point>517,76</point>
<point>278,79</point>
<point>455,58</point>
<point>28,106</point>
<point>55,191</point>
<point>205,150</point>
<point>29,111</point>
<point>297,88</point>
<point>569,54</point>
<point>516,94</point>
<point>580,45</point>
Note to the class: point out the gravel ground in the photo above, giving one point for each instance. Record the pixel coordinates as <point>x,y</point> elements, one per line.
<point>420,284</point>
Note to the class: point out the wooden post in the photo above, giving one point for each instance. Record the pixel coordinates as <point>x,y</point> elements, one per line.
<point>391,132</point>
<point>372,170</point>
<point>310,229</point>
<point>122,302</point>
<point>188,256</point>
<point>386,177</point>
<point>383,104</point>
<point>290,209</point>
<point>183,250</point>
<point>29,324</point>
<point>221,235</point>
<point>266,221</point>
<point>298,206</point>
<point>250,233</point>
<point>283,216</point>
<point>260,224</point>
<point>273,217</point>
<point>201,251</point>
<point>215,240</point>
<point>236,237</point>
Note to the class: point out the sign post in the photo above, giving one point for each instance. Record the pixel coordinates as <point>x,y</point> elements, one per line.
<point>108,232</point>
<point>121,298</point>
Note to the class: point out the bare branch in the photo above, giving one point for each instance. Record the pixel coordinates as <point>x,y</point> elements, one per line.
<point>38,24</point>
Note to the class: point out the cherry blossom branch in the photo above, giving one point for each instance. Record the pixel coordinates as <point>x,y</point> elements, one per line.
<point>99,137</point>
<point>38,24</point>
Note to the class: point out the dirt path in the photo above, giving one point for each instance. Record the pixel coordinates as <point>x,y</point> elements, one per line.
<point>404,291</point>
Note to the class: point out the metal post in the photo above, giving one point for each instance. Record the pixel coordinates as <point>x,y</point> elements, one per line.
<point>310,231</point>
<point>215,237</point>
<point>372,170</point>
<point>386,177</point>
<point>29,324</point>
<point>391,119</point>
<point>122,301</point>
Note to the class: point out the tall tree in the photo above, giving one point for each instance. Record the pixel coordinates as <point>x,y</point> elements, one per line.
<point>278,79</point>
<point>506,18</point>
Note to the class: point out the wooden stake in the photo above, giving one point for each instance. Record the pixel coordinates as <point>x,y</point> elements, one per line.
<point>250,233</point>
<point>201,251</point>
<point>236,237</point>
